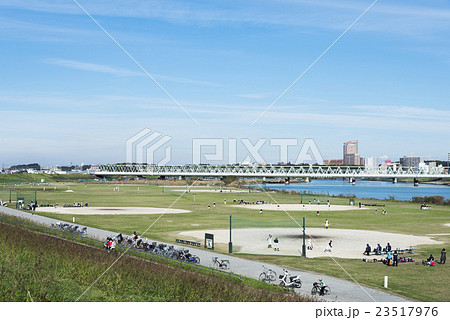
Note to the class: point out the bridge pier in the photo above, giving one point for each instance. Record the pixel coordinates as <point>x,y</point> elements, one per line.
<point>287,180</point>
<point>352,181</point>
<point>307,180</point>
<point>416,182</point>
<point>394,180</point>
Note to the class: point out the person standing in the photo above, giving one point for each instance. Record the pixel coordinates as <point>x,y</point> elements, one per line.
<point>389,257</point>
<point>269,245</point>
<point>276,248</point>
<point>309,243</point>
<point>443,256</point>
<point>395,257</point>
<point>326,223</point>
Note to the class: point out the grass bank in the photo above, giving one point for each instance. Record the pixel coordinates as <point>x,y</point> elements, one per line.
<point>38,267</point>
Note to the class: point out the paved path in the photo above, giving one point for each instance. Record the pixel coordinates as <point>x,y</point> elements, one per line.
<point>341,290</point>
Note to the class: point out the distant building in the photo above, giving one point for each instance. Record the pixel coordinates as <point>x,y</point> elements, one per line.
<point>371,162</point>
<point>411,161</point>
<point>351,155</point>
<point>390,164</point>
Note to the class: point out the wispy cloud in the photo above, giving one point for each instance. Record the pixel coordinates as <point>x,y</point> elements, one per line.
<point>101,68</point>
<point>92,67</point>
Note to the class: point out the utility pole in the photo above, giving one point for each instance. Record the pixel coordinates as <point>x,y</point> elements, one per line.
<point>304,245</point>
<point>230,244</point>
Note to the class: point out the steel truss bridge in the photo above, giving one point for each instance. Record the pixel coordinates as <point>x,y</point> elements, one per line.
<point>270,171</point>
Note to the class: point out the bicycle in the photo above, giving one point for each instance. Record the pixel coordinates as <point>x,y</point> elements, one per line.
<point>320,289</point>
<point>267,275</point>
<point>220,264</point>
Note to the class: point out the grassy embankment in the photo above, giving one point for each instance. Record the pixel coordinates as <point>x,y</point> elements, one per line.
<point>37,267</point>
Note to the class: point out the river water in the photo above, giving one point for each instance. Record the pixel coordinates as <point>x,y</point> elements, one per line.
<point>366,189</point>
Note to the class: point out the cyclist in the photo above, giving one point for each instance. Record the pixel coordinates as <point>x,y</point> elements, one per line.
<point>322,287</point>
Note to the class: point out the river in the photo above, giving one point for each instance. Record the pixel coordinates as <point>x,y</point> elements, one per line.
<point>367,189</point>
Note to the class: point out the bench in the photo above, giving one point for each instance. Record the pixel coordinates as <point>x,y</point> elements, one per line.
<point>188,242</point>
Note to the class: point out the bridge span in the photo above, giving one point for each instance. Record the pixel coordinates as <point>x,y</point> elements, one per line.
<point>269,171</point>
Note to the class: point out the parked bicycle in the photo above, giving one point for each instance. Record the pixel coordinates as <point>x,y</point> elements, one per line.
<point>320,288</point>
<point>220,264</point>
<point>268,275</point>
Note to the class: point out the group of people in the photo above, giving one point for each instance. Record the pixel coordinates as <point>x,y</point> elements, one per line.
<point>392,256</point>
<point>383,212</point>
<point>253,202</point>
<point>275,243</point>
<point>430,261</point>
<point>378,249</point>
<point>75,204</point>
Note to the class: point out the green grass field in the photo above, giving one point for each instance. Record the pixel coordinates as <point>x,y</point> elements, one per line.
<point>410,280</point>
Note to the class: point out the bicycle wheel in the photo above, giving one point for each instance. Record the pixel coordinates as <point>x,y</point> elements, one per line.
<point>272,275</point>
<point>263,277</point>
<point>226,264</point>
<point>326,290</point>
<point>314,291</point>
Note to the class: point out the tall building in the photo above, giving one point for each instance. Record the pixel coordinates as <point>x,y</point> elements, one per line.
<point>351,155</point>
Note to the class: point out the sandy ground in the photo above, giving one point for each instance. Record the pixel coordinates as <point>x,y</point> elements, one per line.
<point>347,243</point>
<point>299,207</point>
<point>108,210</point>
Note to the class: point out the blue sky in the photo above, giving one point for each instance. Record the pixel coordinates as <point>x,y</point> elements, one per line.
<point>69,93</point>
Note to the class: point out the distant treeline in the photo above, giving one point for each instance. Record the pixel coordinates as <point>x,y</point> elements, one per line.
<point>431,199</point>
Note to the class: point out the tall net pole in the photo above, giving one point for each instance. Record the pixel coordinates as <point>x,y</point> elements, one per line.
<point>304,245</point>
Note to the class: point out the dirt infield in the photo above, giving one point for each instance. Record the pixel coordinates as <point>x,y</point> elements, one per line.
<point>298,207</point>
<point>108,210</point>
<point>347,243</point>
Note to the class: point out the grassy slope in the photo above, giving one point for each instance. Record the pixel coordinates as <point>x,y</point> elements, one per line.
<point>36,267</point>
<point>409,279</point>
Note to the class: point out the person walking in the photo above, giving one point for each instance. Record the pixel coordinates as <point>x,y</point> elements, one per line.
<point>395,257</point>
<point>260,211</point>
<point>276,248</point>
<point>309,243</point>
<point>443,256</point>
<point>326,223</point>
<point>330,245</point>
